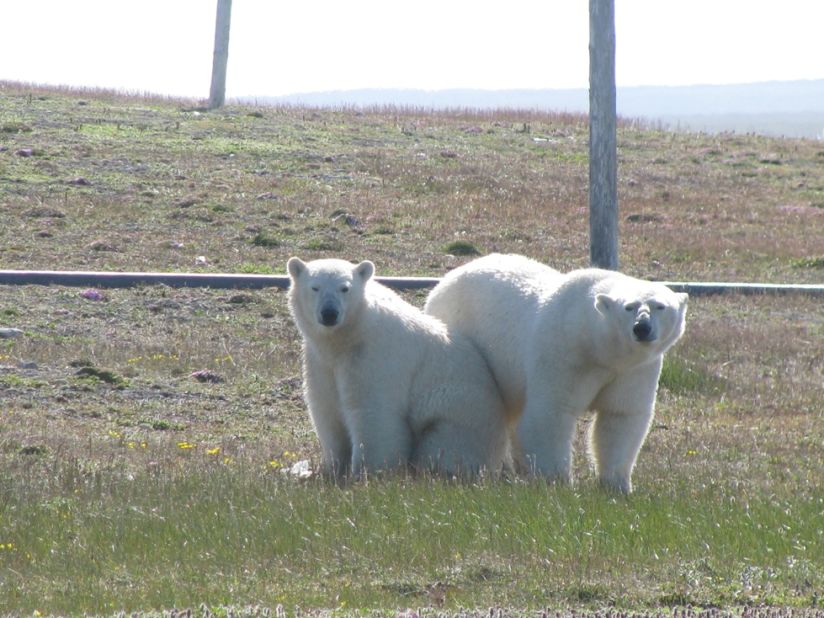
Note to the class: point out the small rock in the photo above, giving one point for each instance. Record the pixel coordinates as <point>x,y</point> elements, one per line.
<point>27,365</point>
<point>201,260</point>
<point>241,299</point>
<point>25,152</point>
<point>348,219</point>
<point>80,182</point>
<point>92,294</point>
<point>102,245</point>
<point>10,333</point>
<point>449,154</point>
<point>643,218</point>
<point>206,375</point>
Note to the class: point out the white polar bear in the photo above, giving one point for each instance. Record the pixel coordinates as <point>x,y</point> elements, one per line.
<point>387,385</point>
<point>559,345</point>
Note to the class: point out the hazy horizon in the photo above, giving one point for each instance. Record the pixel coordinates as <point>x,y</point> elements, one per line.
<point>793,108</point>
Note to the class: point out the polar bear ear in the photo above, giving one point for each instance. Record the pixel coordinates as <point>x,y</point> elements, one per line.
<point>683,298</point>
<point>603,302</point>
<point>296,267</point>
<point>365,270</point>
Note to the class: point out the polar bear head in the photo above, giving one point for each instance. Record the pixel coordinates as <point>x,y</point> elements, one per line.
<point>324,294</point>
<point>646,314</point>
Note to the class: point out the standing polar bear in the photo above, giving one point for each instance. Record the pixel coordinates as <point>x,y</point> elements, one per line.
<point>559,345</point>
<point>386,385</point>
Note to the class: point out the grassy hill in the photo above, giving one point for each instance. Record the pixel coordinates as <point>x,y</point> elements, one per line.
<point>144,433</point>
<point>104,183</point>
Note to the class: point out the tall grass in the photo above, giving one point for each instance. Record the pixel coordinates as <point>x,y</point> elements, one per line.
<point>220,534</point>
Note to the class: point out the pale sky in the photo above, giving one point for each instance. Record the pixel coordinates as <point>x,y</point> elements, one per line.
<point>282,47</point>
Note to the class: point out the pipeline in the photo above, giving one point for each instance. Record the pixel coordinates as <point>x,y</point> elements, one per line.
<point>252,281</point>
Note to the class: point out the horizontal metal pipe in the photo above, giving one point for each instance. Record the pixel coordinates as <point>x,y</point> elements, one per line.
<point>250,281</point>
<point>177,280</point>
<point>747,289</point>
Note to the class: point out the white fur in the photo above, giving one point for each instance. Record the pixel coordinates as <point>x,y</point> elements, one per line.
<point>559,345</point>
<point>386,385</point>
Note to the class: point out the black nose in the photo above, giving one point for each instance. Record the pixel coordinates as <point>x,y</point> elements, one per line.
<point>642,330</point>
<point>329,316</point>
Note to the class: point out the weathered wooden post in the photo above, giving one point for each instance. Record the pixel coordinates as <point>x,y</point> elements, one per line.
<point>217,92</point>
<point>603,162</point>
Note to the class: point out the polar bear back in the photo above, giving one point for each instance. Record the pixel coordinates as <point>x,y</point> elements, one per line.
<point>493,301</point>
<point>521,313</point>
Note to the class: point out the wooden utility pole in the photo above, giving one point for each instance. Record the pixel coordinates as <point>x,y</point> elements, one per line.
<point>603,162</point>
<point>217,93</point>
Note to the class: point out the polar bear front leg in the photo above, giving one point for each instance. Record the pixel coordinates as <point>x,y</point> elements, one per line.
<point>624,412</point>
<point>615,441</point>
<point>324,409</point>
<point>381,437</point>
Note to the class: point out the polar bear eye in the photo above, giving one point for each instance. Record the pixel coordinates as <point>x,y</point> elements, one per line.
<point>344,289</point>
<point>315,288</point>
<point>659,306</point>
<point>632,306</point>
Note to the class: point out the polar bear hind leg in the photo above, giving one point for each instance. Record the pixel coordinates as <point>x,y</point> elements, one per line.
<point>452,449</point>
<point>545,435</point>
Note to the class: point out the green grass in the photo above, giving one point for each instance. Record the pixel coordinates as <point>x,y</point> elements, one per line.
<point>809,262</point>
<point>461,247</point>
<point>679,377</point>
<point>205,532</point>
<point>262,239</point>
<point>138,488</point>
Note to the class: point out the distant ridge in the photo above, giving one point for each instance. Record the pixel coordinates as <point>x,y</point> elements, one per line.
<point>783,108</point>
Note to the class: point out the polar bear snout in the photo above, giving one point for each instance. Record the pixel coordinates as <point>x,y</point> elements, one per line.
<point>642,330</point>
<point>329,315</point>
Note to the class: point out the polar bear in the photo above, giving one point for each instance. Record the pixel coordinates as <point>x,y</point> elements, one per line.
<point>562,344</point>
<point>386,385</point>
